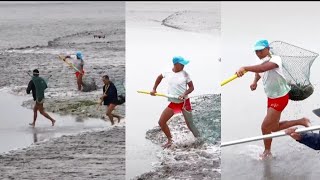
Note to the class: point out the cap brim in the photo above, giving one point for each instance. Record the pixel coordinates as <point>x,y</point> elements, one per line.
<point>257,48</point>
<point>185,62</point>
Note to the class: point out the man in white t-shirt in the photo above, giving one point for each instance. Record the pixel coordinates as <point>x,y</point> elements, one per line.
<point>276,89</point>
<point>77,64</point>
<point>180,85</point>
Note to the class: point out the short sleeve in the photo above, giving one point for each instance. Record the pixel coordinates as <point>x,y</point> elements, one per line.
<point>187,76</point>
<point>276,60</point>
<point>165,74</point>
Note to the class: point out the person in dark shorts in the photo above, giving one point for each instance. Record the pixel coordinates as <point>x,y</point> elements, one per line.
<point>37,85</point>
<point>109,98</point>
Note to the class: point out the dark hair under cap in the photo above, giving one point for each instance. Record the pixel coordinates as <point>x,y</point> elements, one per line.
<point>36,72</point>
<point>106,76</point>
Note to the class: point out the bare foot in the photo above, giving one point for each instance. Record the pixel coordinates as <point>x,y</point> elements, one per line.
<point>265,155</point>
<point>168,144</point>
<point>53,121</point>
<point>306,122</point>
<point>32,124</point>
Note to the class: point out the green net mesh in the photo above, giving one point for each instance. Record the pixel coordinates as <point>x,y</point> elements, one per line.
<point>296,64</point>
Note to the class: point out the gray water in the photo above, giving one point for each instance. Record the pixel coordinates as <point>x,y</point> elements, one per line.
<point>15,132</point>
<point>243,110</point>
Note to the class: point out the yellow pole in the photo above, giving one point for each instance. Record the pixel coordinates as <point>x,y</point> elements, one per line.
<point>229,79</point>
<point>157,94</point>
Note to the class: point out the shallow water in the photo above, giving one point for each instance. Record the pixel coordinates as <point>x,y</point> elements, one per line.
<point>15,131</point>
<point>243,110</point>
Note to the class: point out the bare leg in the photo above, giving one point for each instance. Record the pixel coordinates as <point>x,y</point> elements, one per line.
<point>286,124</point>
<point>271,121</point>
<point>164,118</point>
<point>41,110</point>
<point>35,115</point>
<point>79,82</point>
<point>271,124</point>
<point>110,108</point>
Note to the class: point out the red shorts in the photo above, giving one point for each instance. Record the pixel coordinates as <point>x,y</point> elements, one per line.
<point>278,103</point>
<point>177,107</point>
<point>78,73</point>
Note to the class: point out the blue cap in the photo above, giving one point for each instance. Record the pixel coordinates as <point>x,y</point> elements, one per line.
<point>180,60</point>
<point>261,45</point>
<point>79,55</point>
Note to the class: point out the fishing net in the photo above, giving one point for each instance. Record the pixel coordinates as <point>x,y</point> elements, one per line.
<point>296,63</point>
<point>89,84</point>
<point>206,121</point>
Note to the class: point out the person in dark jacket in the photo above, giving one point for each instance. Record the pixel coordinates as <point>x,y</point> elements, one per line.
<point>37,85</point>
<point>310,139</point>
<point>110,98</point>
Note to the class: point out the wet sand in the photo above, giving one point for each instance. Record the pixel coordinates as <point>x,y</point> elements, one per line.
<point>98,155</point>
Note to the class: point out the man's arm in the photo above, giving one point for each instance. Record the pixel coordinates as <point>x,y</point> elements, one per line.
<point>67,56</point>
<point>257,68</point>
<point>256,78</point>
<point>29,88</point>
<point>261,67</point>
<point>311,140</point>
<point>156,84</point>
<point>189,90</point>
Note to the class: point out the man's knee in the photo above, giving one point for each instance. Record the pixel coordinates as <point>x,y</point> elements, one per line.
<point>265,127</point>
<point>42,112</point>
<point>268,128</point>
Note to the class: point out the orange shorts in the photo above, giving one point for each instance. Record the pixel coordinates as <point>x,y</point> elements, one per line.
<point>78,73</point>
<point>278,103</point>
<point>177,107</point>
